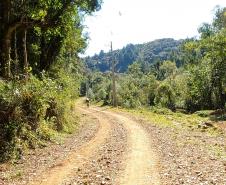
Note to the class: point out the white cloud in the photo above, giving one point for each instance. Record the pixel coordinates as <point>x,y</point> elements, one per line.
<point>133,21</point>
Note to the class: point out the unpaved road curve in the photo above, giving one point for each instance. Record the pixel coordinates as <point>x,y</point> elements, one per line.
<point>59,172</point>
<point>118,148</point>
<point>140,161</point>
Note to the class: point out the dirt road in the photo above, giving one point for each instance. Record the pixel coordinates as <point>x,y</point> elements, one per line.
<point>140,164</point>
<point>141,161</point>
<point>60,171</point>
<point>119,148</point>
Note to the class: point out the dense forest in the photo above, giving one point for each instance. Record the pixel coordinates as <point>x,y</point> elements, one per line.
<point>40,72</point>
<point>148,54</point>
<point>188,75</point>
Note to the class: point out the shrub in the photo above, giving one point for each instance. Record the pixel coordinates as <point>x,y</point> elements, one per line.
<point>204,113</point>
<point>165,96</point>
<point>160,110</point>
<point>32,111</point>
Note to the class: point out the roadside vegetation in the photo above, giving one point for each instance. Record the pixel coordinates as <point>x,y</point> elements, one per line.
<point>196,127</point>
<point>193,80</point>
<point>40,71</point>
<point>164,118</point>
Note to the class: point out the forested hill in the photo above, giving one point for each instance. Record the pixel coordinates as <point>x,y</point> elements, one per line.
<point>147,53</point>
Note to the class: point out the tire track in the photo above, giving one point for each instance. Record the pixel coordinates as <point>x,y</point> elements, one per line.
<point>141,161</point>
<point>60,171</point>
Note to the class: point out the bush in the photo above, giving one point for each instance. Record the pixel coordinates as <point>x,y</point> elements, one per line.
<point>31,112</point>
<point>199,88</point>
<point>160,110</point>
<point>129,94</point>
<point>204,113</point>
<point>165,96</point>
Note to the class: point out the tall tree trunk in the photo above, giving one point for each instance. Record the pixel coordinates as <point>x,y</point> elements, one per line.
<point>5,45</point>
<point>25,53</point>
<point>49,52</point>
<point>16,60</point>
<point>6,59</point>
<point>43,55</point>
<point>6,41</point>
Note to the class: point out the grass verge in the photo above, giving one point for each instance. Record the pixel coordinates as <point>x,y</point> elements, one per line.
<point>182,124</point>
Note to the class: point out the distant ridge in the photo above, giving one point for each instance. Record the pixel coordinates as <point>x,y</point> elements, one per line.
<point>148,54</point>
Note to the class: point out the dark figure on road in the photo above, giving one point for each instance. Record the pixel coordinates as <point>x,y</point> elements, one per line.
<point>87,102</point>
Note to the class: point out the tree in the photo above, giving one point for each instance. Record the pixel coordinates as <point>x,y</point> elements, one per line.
<point>216,52</point>
<point>219,21</point>
<point>199,91</point>
<point>167,69</point>
<point>213,47</point>
<point>165,96</point>
<point>147,54</point>
<point>135,69</point>
<point>48,18</point>
<point>206,30</point>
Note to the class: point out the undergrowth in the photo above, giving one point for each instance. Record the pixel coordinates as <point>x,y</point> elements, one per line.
<point>34,112</point>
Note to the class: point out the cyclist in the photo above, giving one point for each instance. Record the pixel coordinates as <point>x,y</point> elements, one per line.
<point>87,102</point>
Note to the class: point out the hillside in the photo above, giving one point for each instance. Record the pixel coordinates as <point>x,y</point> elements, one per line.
<point>147,53</point>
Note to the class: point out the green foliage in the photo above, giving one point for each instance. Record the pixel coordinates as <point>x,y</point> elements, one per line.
<point>167,69</point>
<point>90,94</point>
<point>219,21</point>
<point>204,113</point>
<point>133,89</point>
<point>135,69</point>
<point>97,87</point>
<point>171,74</point>
<point>39,46</point>
<point>199,87</point>
<point>165,96</point>
<point>33,112</point>
<point>147,54</point>
<point>129,93</point>
<point>180,88</point>
<point>40,30</point>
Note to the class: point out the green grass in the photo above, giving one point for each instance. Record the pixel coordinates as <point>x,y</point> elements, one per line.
<point>164,118</point>
<point>177,120</point>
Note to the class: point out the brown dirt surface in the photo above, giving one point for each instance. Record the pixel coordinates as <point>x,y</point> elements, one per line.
<point>107,163</point>
<point>187,156</point>
<point>117,152</point>
<point>37,161</point>
<point>76,158</point>
<point>116,148</point>
<point>141,161</point>
<point>126,158</point>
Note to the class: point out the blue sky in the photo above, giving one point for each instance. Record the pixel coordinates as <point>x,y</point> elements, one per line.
<point>139,21</point>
